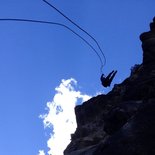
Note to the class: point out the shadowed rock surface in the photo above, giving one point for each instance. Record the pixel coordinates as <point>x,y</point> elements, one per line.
<point>123,121</point>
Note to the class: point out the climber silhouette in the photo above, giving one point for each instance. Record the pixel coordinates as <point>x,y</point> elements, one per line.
<point>106,81</point>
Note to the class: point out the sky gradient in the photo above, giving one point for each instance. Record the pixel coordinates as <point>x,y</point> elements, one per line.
<point>34,59</point>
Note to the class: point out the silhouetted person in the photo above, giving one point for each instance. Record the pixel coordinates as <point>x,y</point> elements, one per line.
<point>106,81</point>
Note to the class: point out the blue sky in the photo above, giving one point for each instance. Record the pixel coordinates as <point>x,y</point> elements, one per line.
<point>34,58</point>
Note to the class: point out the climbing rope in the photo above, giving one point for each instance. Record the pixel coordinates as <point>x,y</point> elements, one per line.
<point>71,30</point>
<point>60,12</point>
<point>52,23</point>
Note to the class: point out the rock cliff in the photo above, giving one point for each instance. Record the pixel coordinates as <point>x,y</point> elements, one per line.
<point>123,121</point>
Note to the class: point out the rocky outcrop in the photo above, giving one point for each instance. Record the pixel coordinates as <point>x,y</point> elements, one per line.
<point>123,121</point>
<point>148,45</point>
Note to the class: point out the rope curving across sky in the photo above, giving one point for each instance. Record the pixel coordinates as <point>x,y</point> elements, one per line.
<point>101,57</point>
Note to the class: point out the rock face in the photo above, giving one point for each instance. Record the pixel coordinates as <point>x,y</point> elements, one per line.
<point>123,121</point>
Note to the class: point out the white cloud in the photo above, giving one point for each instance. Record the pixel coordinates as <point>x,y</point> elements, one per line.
<point>61,117</point>
<point>41,152</point>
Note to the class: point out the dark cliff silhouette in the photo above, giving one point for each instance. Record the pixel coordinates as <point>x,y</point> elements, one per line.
<point>123,121</point>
